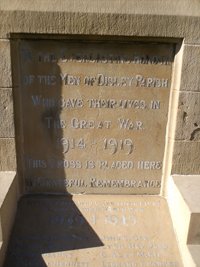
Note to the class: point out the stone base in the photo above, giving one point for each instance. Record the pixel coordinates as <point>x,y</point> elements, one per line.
<point>8,204</point>
<point>184,205</point>
<point>81,231</point>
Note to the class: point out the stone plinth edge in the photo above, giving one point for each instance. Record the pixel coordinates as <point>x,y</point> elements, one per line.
<point>8,204</point>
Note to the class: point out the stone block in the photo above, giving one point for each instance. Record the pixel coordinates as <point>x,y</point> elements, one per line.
<point>6,113</point>
<point>195,254</point>
<point>189,188</point>
<point>188,118</point>
<point>125,18</point>
<point>7,154</point>
<point>194,230</point>
<point>190,80</point>
<point>5,66</point>
<point>186,157</point>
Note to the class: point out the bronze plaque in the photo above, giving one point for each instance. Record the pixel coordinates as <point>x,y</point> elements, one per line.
<point>94,115</point>
<point>91,231</point>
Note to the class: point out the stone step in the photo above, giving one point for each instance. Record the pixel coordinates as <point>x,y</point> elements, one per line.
<point>8,205</point>
<point>184,204</point>
<point>195,254</point>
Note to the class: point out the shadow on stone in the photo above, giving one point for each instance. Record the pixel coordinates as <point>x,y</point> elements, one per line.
<point>47,224</point>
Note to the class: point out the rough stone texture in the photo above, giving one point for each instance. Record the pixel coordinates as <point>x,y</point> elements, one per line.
<point>127,18</point>
<point>6,113</point>
<point>188,118</point>
<point>190,80</point>
<point>7,154</point>
<point>5,66</point>
<point>166,7</point>
<point>186,157</point>
<point>186,154</point>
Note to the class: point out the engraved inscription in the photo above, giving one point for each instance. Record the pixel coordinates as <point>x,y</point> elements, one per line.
<point>93,231</point>
<point>98,115</point>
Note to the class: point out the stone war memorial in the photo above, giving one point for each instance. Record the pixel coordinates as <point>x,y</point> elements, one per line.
<point>100,133</point>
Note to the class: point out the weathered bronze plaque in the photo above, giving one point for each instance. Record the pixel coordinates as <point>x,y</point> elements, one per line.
<point>94,115</point>
<point>91,231</point>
